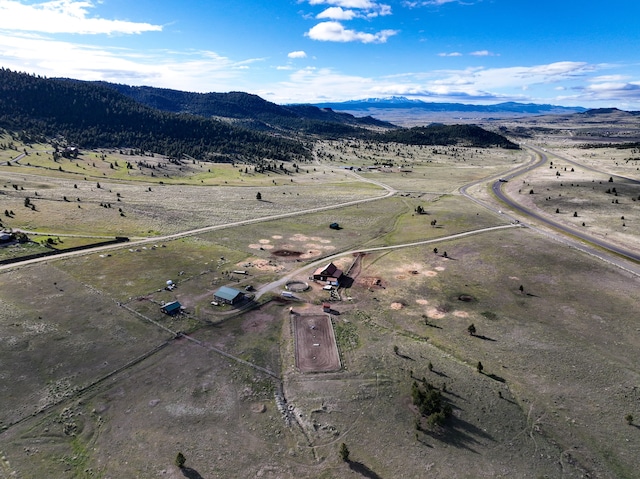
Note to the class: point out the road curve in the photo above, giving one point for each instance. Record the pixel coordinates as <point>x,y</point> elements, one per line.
<point>499,193</point>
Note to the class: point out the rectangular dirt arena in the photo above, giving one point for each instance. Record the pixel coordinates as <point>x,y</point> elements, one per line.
<point>316,349</point>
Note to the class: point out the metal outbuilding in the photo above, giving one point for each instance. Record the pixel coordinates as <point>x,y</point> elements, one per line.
<point>227,295</point>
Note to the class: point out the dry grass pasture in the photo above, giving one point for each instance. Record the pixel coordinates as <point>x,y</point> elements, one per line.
<point>98,383</point>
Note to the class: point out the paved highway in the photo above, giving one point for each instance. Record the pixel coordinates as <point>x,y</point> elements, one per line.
<point>622,257</point>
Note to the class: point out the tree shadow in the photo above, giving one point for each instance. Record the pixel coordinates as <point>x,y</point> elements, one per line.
<point>508,400</point>
<point>459,433</point>
<point>495,377</point>
<point>363,470</point>
<point>431,325</point>
<point>483,337</point>
<point>404,356</point>
<point>439,373</point>
<point>190,473</point>
<point>346,282</point>
<point>451,393</point>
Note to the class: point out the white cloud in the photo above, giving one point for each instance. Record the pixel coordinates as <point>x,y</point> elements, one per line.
<point>310,85</point>
<point>451,54</point>
<point>614,91</point>
<point>486,85</point>
<point>63,16</point>
<point>193,71</point>
<point>361,4</point>
<point>297,54</point>
<point>381,10</point>
<point>426,3</point>
<point>335,32</point>
<point>349,9</point>
<point>482,53</point>
<point>336,13</point>
<point>609,78</point>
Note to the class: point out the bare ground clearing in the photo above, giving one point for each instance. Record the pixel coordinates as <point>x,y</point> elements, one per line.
<point>316,349</point>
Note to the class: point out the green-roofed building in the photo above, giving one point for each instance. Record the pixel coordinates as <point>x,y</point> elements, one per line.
<point>171,308</point>
<point>228,295</point>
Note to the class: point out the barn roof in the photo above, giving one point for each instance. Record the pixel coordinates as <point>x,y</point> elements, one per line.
<point>171,307</point>
<point>227,293</point>
<point>328,270</point>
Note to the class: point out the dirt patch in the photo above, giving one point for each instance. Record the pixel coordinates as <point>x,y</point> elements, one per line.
<point>397,306</point>
<point>286,253</point>
<point>319,246</point>
<point>461,314</point>
<point>430,274</point>
<point>371,282</point>
<point>316,349</point>
<point>257,322</point>
<point>435,313</point>
<point>299,237</point>
<point>260,264</point>
<point>422,302</point>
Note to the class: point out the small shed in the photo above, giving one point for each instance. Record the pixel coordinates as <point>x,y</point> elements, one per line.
<point>227,295</point>
<point>326,307</point>
<point>171,308</point>
<point>334,226</point>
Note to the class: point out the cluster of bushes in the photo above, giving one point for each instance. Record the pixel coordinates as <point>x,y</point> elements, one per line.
<point>430,403</point>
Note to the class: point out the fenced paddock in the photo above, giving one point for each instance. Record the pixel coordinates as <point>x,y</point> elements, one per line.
<point>316,349</point>
<point>297,286</point>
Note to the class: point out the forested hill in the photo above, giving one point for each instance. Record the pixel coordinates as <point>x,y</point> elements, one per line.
<point>92,116</point>
<point>436,134</point>
<point>253,110</point>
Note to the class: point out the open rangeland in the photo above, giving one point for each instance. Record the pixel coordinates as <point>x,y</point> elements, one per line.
<point>98,383</point>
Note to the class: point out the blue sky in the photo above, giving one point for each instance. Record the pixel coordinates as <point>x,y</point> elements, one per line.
<point>564,52</point>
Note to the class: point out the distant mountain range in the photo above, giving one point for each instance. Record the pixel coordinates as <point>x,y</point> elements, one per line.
<point>400,102</point>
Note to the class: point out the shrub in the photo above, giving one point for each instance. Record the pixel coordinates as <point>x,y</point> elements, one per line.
<point>344,452</point>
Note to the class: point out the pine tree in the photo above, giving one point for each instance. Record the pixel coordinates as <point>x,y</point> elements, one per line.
<point>344,452</point>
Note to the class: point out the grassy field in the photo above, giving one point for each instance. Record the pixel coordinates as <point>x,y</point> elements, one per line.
<point>99,383</point>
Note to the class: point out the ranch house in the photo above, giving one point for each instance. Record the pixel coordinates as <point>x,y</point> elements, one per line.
<point>226,295</point>
<point>329,273</point>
